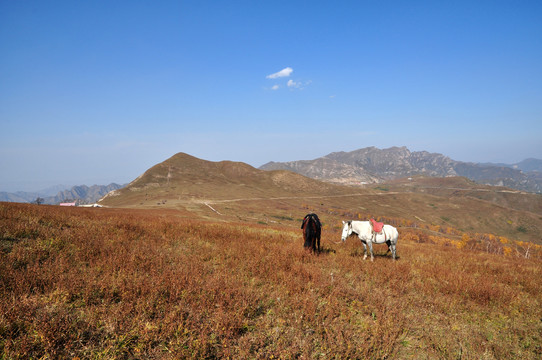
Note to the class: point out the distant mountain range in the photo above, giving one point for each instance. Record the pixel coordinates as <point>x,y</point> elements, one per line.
<point>82,194</point>
<point>373,165</point>
<point>367,165</point>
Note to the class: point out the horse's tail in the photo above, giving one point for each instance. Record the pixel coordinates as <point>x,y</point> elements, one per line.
<point>311,227</point>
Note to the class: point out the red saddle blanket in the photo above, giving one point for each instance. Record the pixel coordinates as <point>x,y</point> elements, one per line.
<point>377,226</point>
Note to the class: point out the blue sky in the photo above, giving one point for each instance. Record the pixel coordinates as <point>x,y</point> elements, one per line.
<point>98,92</point>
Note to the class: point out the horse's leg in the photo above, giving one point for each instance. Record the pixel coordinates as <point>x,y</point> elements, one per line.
<point>318,237</point>
<point>371,250</point>
<point>364,250</point>
<point>393,247</point>
<point>393,251</point>
<point>388,242</point>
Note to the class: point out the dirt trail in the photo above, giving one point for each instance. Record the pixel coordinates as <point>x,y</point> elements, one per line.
<point>216,201</point>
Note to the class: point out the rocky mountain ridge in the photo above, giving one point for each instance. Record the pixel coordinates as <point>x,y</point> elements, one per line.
<point>373,165</point>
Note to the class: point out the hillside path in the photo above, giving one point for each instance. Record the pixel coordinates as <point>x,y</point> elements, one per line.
<point>216,201</point>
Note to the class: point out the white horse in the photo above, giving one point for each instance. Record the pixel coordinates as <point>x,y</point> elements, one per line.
<point>363,229</point>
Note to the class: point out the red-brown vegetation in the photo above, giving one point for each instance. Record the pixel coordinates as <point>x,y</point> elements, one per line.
<point>112,283</point>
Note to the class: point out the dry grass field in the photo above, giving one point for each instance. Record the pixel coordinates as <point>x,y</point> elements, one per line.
<point>141,284</point>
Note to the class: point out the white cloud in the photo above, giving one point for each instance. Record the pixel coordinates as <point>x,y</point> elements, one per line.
<point>293,84</point>
<point>275,87</point>
<point>298,84</point>
<point>283,73</point>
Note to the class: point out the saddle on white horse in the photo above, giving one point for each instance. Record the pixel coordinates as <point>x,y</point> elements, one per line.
<point>377,228</point>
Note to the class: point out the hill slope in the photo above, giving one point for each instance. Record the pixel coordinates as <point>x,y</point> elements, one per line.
<point>183,179</point>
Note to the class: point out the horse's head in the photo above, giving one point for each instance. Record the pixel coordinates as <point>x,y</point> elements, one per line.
<point>347,230</point>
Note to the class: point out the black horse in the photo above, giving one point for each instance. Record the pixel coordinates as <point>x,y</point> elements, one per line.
<point>312,229</point>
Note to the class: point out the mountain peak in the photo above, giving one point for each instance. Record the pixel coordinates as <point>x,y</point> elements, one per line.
<point>186,178</point>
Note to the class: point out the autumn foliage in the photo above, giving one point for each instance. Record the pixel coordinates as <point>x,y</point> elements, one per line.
<point>106,283</point>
